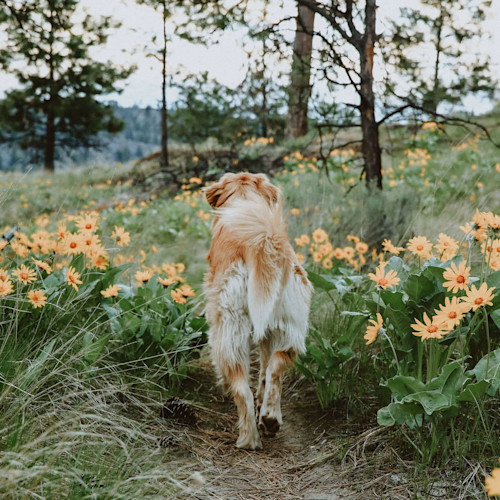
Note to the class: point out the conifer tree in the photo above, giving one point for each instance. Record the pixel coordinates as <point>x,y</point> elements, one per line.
<point>47,47</point>
<point>433,47</point>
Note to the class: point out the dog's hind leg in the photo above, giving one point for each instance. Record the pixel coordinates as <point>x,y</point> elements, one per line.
<point>236,378</point>
<point>270,418</point>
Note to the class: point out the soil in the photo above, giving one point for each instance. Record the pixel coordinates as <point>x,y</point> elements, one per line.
<point>300,462</point>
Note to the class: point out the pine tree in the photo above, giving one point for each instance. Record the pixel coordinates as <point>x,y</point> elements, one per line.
<point>300,88</point>
<point>433,47</point>
<point>47,49</point>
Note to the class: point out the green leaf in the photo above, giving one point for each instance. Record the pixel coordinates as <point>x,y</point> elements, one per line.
<point>36,366</point>
<point>399,413</point>
<point>393,299</point>
<point>493,375</point>
<point>473,392</point>
<point>354,327</point>
<point>494,280</point>
<point>495,316</point>
<point>92,347</point>
<point>399,320</point>
<point>431,401</point>
<point>402,385</point>
<point>418,287</point>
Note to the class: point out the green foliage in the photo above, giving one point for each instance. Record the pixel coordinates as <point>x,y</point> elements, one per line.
<point>56,105</point>
<point>149,328</point>
<point>446,30</point>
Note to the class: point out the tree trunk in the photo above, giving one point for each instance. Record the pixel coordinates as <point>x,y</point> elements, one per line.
<point>436,84</point>
<point>50,125</point>
<point>369,127</point>
<point>301,72</point>
<point>164,117</point>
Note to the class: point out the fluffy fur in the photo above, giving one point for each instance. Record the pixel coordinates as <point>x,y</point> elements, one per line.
<point>257,293</point>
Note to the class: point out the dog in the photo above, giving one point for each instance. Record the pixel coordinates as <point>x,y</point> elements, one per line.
<point>256,293</point>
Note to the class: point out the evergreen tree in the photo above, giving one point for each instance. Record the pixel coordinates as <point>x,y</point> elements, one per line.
<point>47,49</point>
<point>434,49</point>
<point>300,88</point>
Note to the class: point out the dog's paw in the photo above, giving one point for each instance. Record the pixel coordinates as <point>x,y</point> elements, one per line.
<point>249,441</point>
<point>269,426</point>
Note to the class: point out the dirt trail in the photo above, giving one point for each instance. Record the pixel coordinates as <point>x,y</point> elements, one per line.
<point>299,463</point>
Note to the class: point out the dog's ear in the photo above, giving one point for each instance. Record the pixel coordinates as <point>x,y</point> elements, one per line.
<point>268,190</point>
<point>212,193</point>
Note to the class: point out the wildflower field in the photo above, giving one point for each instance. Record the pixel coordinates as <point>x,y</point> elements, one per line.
<point>101,326</point>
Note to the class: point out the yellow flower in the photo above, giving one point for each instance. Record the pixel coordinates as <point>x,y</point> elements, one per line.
<point>348,252</point>
<point>4,274</point>
<point>300,257</point>
<point>42,265</point>
<point>121,236</point>
<point>169,269</point>
<point>451,312</point>
<point>111,291</point>
<point>384,280</point>
<point>420,246</point>
<point>24,274</point>
<point>166,281</point>
<point>373,329</point>
<point>178,297</point>
<point>430,329</point>
<point>186,290</point>
<point>479,297</point>
<point>389,247</point>
<point>143,276</point>
<point>6,288</point>
<point>88,222</point>
<point>37,298</point>
<point>295,211</point>
<point>446,247</point>
<point>361,247</point>
<point>195,180</point>
<point>327,263</point>
<point>319,235</point>
<point>352,238</point>
<point>458,277</point>
<point>100,261</point>
<point>492,483</point>
<point>180,267</point>
<point>339,254</point>
<point>73,244</point>
<point>73,278</point>
<point>317,257</point>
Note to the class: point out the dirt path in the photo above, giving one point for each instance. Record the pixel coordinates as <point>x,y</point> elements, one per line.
<point>299,463</point>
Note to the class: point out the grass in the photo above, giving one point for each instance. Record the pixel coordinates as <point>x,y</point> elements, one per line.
<point>91,431</point>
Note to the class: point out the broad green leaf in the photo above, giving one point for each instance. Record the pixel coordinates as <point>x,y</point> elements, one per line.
<point>399,320</point>
<point>495,316</point>
<point>431,401</point>
<point>493,375</point>
<point>399,413</point>
<point>354,327</point>
<point>321,282</point>
<point>494,280</point>
<point>402,385</point>
<point>474,391</point>
<point>393,299</point>
<point>418,287</point>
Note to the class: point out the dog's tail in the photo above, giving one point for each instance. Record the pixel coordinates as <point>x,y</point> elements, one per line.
<point>263,233</point>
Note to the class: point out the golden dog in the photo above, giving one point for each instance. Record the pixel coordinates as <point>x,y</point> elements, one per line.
<point>256,292</point>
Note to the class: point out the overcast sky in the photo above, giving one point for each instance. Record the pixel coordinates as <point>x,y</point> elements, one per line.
<point>224,61</point>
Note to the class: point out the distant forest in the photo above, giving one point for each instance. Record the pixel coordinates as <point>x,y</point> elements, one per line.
<point>139,137</point>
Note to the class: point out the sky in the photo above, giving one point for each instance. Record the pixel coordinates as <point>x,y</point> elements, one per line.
<point>224,60</point>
